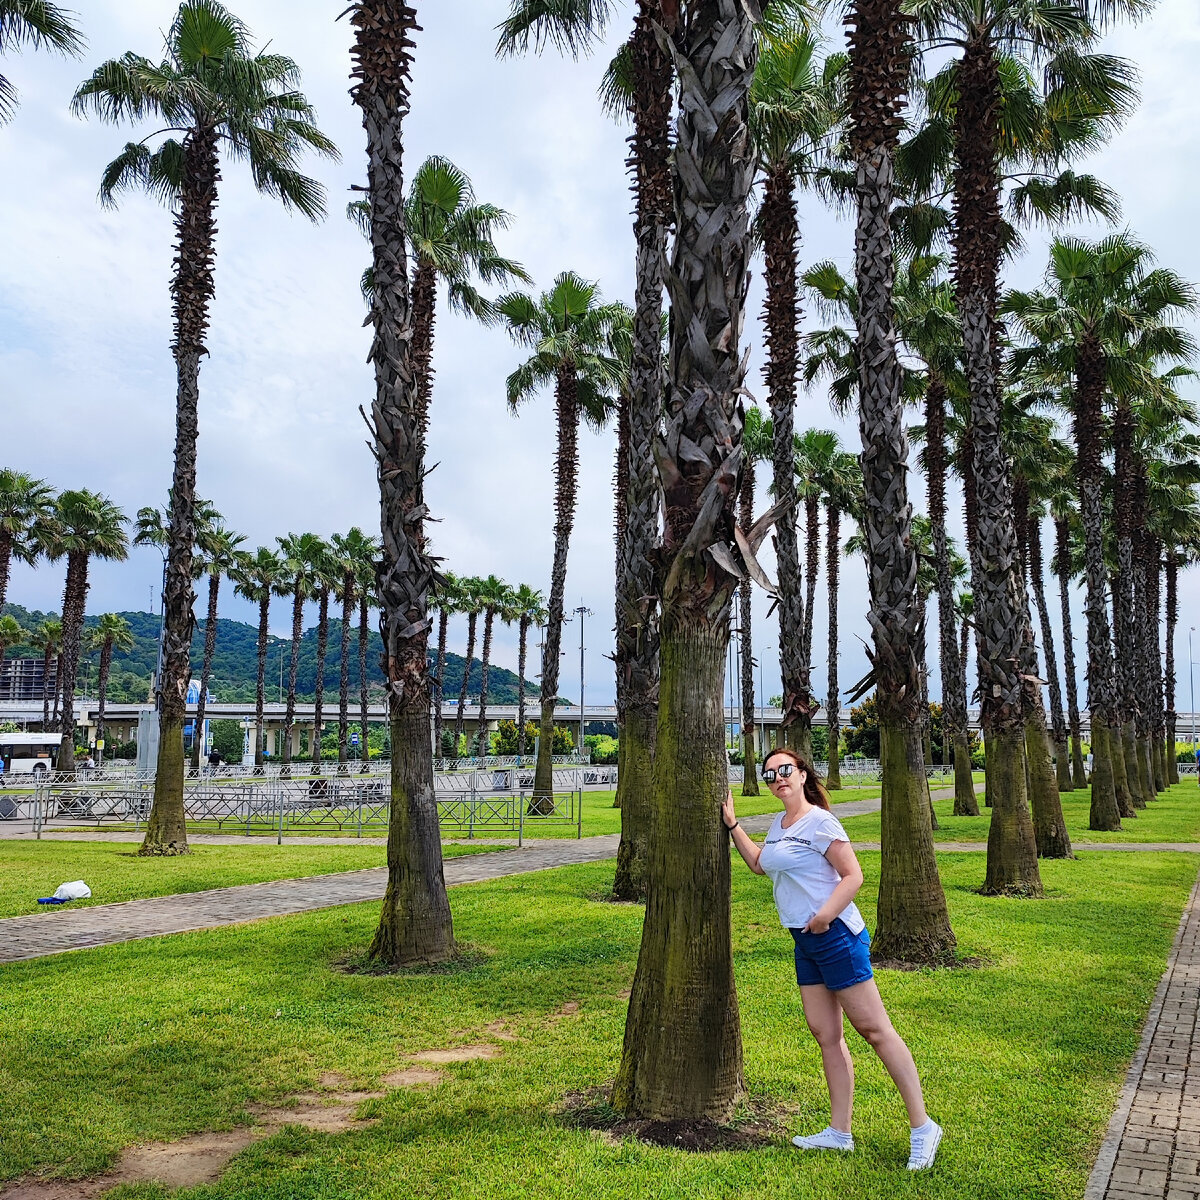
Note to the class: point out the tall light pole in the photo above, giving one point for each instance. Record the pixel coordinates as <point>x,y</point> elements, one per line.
<point>581,612</point>
<point>1192,694</point>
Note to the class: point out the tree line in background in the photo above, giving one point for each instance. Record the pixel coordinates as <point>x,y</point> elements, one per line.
<point>944,130</point>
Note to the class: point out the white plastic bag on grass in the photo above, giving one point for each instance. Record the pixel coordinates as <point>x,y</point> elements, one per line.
<point>76,890</point>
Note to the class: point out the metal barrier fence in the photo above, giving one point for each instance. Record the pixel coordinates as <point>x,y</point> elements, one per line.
<point>469,803</point>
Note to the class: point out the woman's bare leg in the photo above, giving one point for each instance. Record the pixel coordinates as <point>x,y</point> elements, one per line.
<point>824,1016</point>
<point>863,1004</point>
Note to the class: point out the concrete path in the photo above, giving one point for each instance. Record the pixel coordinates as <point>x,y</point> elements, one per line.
<point>1152,1148</point>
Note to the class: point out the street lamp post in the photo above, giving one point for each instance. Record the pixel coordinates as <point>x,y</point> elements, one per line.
<point>581,612</point>
<point>1192,698</point>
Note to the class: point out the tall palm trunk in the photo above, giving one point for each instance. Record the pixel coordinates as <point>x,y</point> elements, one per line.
<point>566,474</point>
<point>682,1056</point>
<point>1062,531</point>
<point>319,685</point>
<point>58,692</point>
<point>439,682</point>
<point>913,923</point>
<point>1089,390</point>
<point>1152,560</point>
<point>781,314</point>
<point>210,648</point>
<point>954,696</point>
<point>260,686</point>
<point>745,620</point>
<point>481,739</point>
<point>344,674</point>
<point>1143,672</point>
<point>812,562</point>
<point>1172,574</point>
<point>999,612</point>
<point>289,717</point>
<point>1123,764</point>
<point>1058,722</point>
<point>461,715</point>
<point>415,924</point>
<point>522,648</point>
<point>636,653</point>
<point>833,553</point>
<point>74,602</point>
<point>106,652</point>
<point>47,662</point>
<point>364,698</point>
<point>191,289</point>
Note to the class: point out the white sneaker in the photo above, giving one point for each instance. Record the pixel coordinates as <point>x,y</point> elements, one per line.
<point>923,1146</point>
<point>828,1139</point>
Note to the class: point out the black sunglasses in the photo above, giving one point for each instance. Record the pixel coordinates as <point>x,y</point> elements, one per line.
<point>781,772</point>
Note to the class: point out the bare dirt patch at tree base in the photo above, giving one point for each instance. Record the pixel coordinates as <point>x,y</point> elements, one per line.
<point>457,1054</point>
<point>411,1077</point>
<point>763,1125</point>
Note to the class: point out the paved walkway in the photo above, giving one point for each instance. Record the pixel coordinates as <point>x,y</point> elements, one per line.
<point>1152,1148</point>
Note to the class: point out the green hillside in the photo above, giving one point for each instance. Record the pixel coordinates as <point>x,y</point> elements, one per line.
<point>235,664</point>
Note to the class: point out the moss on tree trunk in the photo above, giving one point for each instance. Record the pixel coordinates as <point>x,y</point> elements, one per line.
<point>166,830</point>
<point>1012,848</point>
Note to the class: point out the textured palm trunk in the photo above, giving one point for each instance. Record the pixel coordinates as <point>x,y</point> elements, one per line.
<point>102,695</point>
<point>319,685</point>
<point>521,653</point>
<point>833,694</point>
<point>191,290</point>
<point>210,648</point>
<point>58,692</point>
<point>461,715</point>
<point>1151,560</point>
<point>424,309</point>
<point>344,672</point>
<point>364,696</point>
<point>682,1055</point>
<point>1171,717</point>
<point>1124,633</point>
<point>926,717</point>
<point>74,603</point>
<point>415,924</point>
<point>439,682</point>
<point>1058,724</point>
<point>481,738</point>
<point>289,717</point>
<point>781,314</point>
<point>47,662</point>
<point>1089,390</point>
<point>1062,531</point>
<point>745,620</point>
<point>954,695</point>
<point>260,687</point>
<point>913,923</point>
<point>812,560</point>
<point>999,610</point>
<point>566,474</point>
<point>1117,730</point>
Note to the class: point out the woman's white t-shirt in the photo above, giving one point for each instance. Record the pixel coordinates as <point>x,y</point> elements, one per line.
<point>801,876</point>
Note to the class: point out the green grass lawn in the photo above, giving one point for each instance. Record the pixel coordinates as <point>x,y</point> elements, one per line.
<point>114,872</point>
<point>1173,817</point>
<point>164,1037</point>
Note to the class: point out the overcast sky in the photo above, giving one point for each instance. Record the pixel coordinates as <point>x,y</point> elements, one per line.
<point>87,382</point>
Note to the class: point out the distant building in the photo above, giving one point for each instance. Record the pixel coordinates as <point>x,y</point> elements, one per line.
<point>22,679</point>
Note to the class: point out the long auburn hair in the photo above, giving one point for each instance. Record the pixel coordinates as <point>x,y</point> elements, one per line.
<point>814,789</point>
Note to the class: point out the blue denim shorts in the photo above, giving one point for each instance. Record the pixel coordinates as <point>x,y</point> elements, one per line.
<point>836,958</point>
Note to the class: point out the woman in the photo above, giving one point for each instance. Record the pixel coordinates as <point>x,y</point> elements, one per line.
<point>815,877</point>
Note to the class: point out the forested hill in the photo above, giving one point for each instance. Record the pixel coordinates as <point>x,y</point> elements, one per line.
<point>235,665</point>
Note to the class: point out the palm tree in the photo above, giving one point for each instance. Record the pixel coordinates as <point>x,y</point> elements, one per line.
<point>570,333</point>
<point>257,577</point>
<point>1063,512</point>
<point>39,24</point>
<point>348,552</point>
<point>913,924</point>
<point>841,487</point>
<point>25,503</point>
<point>470,606</point>
<point>210,89</point>
<point>11,634</point>
<point>495,597</point>
<point>794,108</point>
<point>812,451</point>
<point>447,601</point>
<point>531,610</point>
<point>111,632</point>
<point>1180,532</point>
<point>415,923</point>
<point>1102,303</point>
<point>47,637</point>
<point>757,446</point>
<point>327,576</point>
<point>303,555</point>
<point>683,991</point>
<point>219,548</point>
<point>367,600</point>
<point>85,525</point>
